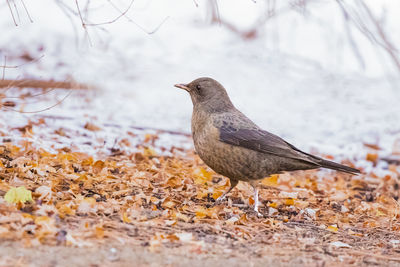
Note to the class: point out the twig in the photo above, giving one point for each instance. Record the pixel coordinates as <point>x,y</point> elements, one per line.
<point>38,111</point>
<point>29,83</point>
<point>26,10</point>
<point>389,47</point>
<point>114,20</point>
<point>349,35</point>
<point>12,13</point>
<point>83,23</point>
<point>21,97</point>
<point>17,66</point>
<point>16,11</point>
<point>140,27</point>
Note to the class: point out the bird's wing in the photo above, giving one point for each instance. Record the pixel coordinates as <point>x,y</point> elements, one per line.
<point>261,141</point>
<point>242,132</point>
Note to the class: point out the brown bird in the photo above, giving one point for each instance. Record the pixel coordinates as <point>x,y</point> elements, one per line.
<point>234,146</point>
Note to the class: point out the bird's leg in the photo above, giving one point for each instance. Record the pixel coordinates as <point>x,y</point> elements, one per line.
<point>255,197</point>
<point>233,184</point>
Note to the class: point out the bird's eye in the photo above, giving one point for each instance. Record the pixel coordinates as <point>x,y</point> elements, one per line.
<point>198,88</point>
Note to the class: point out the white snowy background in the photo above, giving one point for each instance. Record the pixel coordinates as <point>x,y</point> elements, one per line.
<point>299,78</point>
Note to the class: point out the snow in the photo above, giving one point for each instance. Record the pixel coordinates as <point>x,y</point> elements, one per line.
<point>298,79</point>
<point>340,244</point>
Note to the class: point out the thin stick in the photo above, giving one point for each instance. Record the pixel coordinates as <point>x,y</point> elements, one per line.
<point>17,66</point>
<point>26,10</point>
<point>37,111</point>
<point>114,20</point>
<point>140,27</point>
<point>83,23</point>
<point>24,83</point>
<point>387,45</point>
<point>349,35</point>
<point>16,11</point>
<point>20,97</point>
<point>12,13</point>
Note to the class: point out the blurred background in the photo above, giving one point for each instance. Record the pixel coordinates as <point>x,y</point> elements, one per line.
<point>322,74</point>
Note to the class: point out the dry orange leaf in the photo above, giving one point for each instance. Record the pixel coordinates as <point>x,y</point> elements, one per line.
<point>92,127</point>
<point>373,157</point>
<point>98,166</point>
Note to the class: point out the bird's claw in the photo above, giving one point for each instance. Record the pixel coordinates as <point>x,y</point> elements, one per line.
<point>219,200</point>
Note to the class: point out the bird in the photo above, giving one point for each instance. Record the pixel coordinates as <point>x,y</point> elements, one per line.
<point>234,146</point>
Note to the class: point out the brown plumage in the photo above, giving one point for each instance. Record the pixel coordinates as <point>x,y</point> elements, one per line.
<point>234,146</point>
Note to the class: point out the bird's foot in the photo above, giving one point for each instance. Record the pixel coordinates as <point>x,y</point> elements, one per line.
<point>219,200</point>
<point>256,211</point>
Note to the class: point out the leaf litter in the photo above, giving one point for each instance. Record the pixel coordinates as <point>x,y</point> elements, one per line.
<point>143,193</point>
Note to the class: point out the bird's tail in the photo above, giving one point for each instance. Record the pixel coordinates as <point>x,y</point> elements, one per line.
<point>336,166</point>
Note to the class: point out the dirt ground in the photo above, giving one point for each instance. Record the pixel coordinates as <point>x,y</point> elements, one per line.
<point>299,245</point>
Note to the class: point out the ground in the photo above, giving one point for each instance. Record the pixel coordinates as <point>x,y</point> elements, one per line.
<point>153,208</point>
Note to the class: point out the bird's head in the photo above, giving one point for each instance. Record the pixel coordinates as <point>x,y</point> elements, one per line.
<point>208,93</point>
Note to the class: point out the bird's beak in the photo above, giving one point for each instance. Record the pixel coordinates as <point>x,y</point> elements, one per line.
<point>183,86</point>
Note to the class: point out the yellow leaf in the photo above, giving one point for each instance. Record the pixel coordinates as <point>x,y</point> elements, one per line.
<point>332,228</point>
<point>65,210</point>
<point>202,176</point>
<point>149,152</point>
<point>289,201</point>
<point>42,220</point>
<point>217,194</point>
<point>270,181</point>
<point>202,212</point>
<point>125,218</point>
<point>18,194</point>
<point>273,205</point>
<point>99,231</point>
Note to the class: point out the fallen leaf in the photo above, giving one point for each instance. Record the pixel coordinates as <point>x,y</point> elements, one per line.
<point>18,195</point>
<point>270,181</point>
